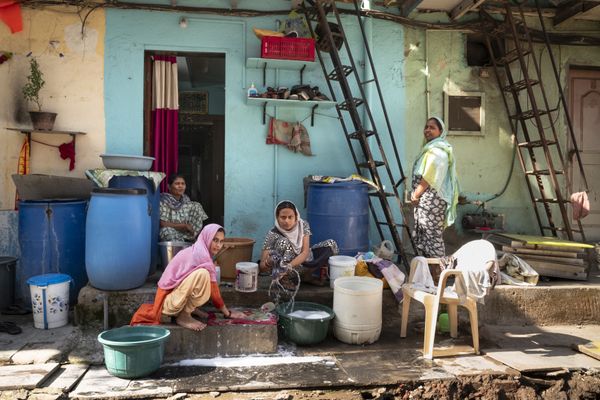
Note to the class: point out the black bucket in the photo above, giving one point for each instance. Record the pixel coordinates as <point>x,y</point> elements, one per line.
<point>8,265</point>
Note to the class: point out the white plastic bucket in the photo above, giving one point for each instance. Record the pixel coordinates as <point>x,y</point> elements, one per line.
<point>340,266</point>
<point>246,276</point>
<point>357,303</point>
<point>50,300</point>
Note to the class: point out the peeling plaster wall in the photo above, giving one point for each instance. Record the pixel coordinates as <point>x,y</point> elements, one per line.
<point>257,175</point>
<point>74,90</point>
<point>483,162</point>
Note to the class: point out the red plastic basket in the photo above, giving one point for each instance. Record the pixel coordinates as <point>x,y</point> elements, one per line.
<point>288,48</point>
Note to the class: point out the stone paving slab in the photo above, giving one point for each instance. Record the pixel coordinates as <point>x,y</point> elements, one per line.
<point>65,378</point>
<point>543,359</point>
<point>388,367</point>
<point>97,383</point>
<point>474,365</point>
<point>25,376</point>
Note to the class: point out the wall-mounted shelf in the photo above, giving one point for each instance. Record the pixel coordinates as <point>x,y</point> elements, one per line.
<point>268,63</point>
<point>28,132</point>
<point>313,105</point>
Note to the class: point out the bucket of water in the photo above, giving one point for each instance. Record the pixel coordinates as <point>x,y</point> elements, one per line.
<point>50,300</point>
<point>246,276</point>
<point>340,266</point>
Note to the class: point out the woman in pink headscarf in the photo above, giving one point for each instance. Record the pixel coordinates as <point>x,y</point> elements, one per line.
<point>188,282</point>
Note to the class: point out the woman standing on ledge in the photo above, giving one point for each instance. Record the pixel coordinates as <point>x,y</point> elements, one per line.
<point>435,190</point>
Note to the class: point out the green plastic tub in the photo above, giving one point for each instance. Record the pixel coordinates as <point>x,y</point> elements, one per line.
<point>303,331</point>
<point>133,351</point>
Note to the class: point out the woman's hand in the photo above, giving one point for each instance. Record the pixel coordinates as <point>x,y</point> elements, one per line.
<point>414,199</point>
<point>237,315</point>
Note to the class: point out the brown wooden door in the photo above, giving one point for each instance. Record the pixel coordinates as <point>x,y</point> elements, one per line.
<point>585,110</point>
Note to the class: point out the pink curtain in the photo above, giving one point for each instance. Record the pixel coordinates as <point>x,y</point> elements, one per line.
<point>165,112</point>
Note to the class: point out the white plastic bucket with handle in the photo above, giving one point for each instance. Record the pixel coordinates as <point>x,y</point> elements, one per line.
<point>357,303</point>
<point>340,266</point>
<point>50,300</point>
<point>246,276</point>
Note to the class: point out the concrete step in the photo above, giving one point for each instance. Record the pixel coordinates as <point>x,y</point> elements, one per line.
<point>556,302</point>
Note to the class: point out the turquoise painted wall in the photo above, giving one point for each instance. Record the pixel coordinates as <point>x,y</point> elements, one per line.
<point>257,175</point>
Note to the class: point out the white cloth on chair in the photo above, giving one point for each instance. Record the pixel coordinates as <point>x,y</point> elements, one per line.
<point>479,266</point>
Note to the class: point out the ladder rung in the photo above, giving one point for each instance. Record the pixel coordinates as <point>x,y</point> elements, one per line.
<point>371,163</point>
<point>537,143</point>
<point>400,182</point>
<point>367,81</point>
<point>346,104</point>
<point>521,85</point>
<point>552,201</point>
<point>529,114</point>
<point>346,70</point>
<point>386,194</point>
<point>359,134</point>
<point>381,223</point>
<point>512,56</point>
<point>543,172</point>
<point>560,229</point>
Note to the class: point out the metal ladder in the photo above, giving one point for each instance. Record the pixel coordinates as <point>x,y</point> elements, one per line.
<point>539,150</point>
<point>364,130</point>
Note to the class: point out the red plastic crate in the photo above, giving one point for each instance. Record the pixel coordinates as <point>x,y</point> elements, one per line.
<point>284,48</point>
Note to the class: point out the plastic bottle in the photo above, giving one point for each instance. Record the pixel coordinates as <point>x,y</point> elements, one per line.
<point>252,91</point>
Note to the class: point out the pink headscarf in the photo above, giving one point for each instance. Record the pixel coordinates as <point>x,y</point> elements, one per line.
<point>190,259</point>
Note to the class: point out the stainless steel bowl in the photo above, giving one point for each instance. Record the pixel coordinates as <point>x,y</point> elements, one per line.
<point>169,249</point>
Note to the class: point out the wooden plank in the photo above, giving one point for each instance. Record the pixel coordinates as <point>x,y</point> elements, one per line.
<point>559,271</point>
<point>66,377</point>
<point>519,245</point>
<point>546,241</point>
<point>557,260</point>
<point>524,250</point>
<point>25,376</point>
<point>543,359</point>
<point>591,349</point>
<point>569,9</point>
<point>464,7</point>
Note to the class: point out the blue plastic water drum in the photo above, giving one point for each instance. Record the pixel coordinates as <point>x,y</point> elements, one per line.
<point>339,211</point>
<point>50,300</point>
<point>52,240</point>
<point>117,246</point>
<point>141,182</point>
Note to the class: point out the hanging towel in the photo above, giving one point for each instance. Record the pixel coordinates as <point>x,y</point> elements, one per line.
<point>67,150</point>
<point>293,135</point>
<point>581,205</point>
<point>10,14</point>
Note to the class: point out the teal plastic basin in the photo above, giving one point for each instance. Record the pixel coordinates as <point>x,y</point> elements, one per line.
<point>300,330</point>
<point>133,351</point>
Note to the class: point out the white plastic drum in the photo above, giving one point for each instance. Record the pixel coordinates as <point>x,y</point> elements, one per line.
<point>246,276</point>
<point>340,266</point>
<point>357,303</point>
<point>50,300</point>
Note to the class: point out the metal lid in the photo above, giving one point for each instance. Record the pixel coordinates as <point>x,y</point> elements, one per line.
<point>119,191</point>
<point>48,279</point>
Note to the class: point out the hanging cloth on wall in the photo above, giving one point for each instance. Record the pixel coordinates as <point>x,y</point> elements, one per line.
<point>23,164</point>
<point>165,114</point>
<point>292,135</point>
<point>10,14</point>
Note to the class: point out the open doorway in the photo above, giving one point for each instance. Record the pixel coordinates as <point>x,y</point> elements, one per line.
<point>201,127</point>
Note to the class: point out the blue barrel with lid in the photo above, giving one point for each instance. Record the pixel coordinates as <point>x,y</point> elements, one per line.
<point>118,236</point>
<point>153,194</point>
<point>339,211</point>
<point>51,240</point>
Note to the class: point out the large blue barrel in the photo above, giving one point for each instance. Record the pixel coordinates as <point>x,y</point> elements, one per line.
<point>339,211</point>
<point>52,240</point>
<point>117,246</point>
<point>141,182</point>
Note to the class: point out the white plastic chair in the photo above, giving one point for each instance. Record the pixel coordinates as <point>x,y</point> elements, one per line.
<point>476,255</point>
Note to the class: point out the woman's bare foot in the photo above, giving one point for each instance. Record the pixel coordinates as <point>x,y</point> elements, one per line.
<point>199,313</point>
<point>187,321</point>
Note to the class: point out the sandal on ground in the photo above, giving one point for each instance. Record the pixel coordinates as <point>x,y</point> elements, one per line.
<point>9,327</point>
<point>15,309</point>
